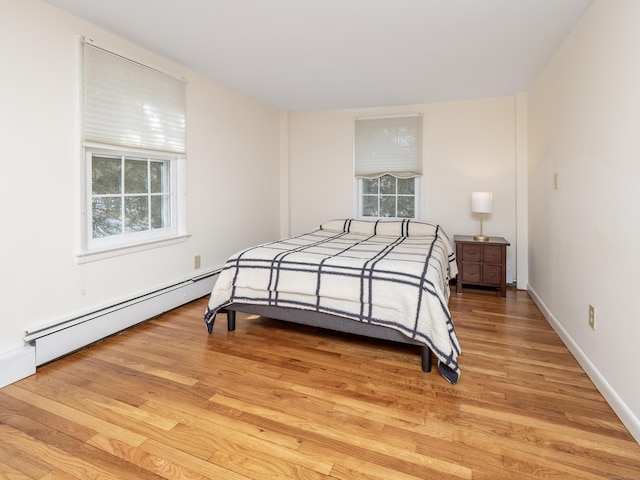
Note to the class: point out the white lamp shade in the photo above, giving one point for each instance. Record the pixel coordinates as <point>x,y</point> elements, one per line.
<point>481,202</point>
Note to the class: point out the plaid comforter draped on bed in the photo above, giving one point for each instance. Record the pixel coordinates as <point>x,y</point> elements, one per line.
<point>390,273</point>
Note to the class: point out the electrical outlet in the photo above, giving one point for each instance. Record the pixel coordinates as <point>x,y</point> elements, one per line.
<point>196,262</point>
<point>592,317</point>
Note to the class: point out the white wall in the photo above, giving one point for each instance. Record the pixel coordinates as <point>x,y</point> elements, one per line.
<point>468,146</point>
<point>233,176</point>
<point>584,123</point>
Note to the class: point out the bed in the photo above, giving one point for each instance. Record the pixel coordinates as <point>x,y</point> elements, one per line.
<point>381,279</point>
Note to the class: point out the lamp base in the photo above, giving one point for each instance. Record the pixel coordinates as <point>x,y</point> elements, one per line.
<point>481,238</point>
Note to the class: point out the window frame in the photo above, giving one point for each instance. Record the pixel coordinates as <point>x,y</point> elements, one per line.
<point>359,204</point>
<point>378,196</point>
<point>92,249</point>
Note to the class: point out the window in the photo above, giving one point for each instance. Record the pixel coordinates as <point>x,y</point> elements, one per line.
<point>388,196</point>
<point>129,194</point>
<point>133,137</point>
<point>388,162</point>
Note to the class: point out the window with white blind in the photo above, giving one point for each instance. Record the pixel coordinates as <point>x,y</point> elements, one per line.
<point>387,164</point>
<point>134,141</point>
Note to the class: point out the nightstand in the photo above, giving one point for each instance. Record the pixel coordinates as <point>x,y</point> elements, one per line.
<point>482,263</point>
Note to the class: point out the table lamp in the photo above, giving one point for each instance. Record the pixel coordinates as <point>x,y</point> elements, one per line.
<point>481,202</point>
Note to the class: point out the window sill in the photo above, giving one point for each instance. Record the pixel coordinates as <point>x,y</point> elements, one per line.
<point>115,251</point>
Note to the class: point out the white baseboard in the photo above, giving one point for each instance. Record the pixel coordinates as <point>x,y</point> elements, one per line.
<point>17,364</point>
<point>72,334</point>
<point>611,396</point>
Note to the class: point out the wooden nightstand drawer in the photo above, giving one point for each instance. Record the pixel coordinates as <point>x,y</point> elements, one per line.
<point>471,253</point>
<point>482,263</point>
<point>471,273</point>
<point>492,254</point>
<point>492,275</point>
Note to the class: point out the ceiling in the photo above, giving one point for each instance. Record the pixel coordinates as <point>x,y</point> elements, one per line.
<point>306,55</point>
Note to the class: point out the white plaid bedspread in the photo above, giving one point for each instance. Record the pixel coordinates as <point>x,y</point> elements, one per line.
<point>390,273</point>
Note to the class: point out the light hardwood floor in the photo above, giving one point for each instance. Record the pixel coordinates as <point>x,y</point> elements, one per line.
<point>273,400</point>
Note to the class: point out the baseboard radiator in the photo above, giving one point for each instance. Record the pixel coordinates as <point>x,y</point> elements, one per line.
<point>68,335</point>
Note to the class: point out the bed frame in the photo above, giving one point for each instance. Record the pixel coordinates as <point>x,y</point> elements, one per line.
<point>324,320</point>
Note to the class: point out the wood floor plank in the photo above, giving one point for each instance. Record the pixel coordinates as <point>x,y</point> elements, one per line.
<point>72,415</point>
<point>264,467</point>
<point>284,447</point>
<point>187,414</point>
<point>57,474</point>
<point>112,411</point>
<point>34,448</point>
<point>370,444</point>
<point>10,473</point>
<point>273,400</point>
<point>348,466</point>
<point>19,462</point>
<point>203,467</point>
<point>149,462</point>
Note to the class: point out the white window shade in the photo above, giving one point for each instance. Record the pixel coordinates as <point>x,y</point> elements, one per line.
<point>388,145</point>
<point>129,104</point>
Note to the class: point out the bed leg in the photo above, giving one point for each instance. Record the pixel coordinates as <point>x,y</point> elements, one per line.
<point>231,320</point>
<point>426,359</point>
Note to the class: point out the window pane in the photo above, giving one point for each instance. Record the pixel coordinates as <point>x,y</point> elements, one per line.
<point>106,175</point>
<point>387,185</point>
<point>159,177</point>
<point>107,218</point>
<point>160,211</point>
<point>136,212</point>
<point>406,186</point>
<point>370,186</point>
<point>387,206</point>
<point>135,176</point>
<point>369,206</point>
<point>406,207</point>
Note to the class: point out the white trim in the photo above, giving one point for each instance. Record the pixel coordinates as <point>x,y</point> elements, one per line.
<point>285,195</point>
<point>101,254</point>
<point>522,193</point>
<point>180,195</point>
<point>31,332</point>
<point>35,333</point>
<point>63,336</point>
<point>91,250</point>
<point>17,364</point>
<point>611,396</point>
<point>106,149</point>
<point>417,208</point>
